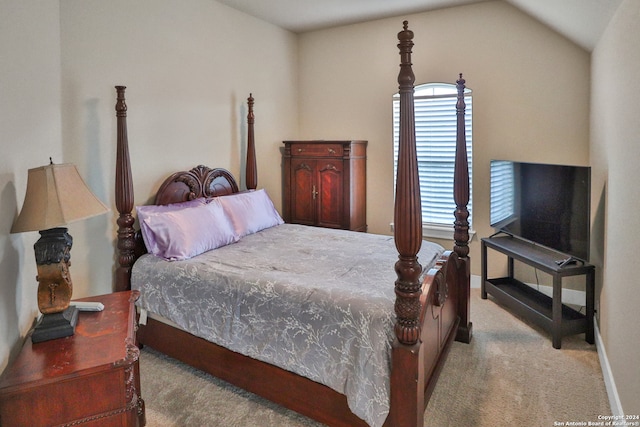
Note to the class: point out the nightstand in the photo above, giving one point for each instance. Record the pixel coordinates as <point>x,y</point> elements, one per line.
<point>91,378</point>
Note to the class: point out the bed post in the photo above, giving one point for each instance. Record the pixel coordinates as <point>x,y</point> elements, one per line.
<point>124,198</point>
<point>408,211</point>
<point>461,224</point>
<point>408,238</point>
<point>251,169</point>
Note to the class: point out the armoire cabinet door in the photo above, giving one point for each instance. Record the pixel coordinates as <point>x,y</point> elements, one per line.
<point>302,191</point>
<point>329,200</point>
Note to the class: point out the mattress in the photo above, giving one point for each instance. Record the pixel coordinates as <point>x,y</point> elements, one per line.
<point>318,302</point>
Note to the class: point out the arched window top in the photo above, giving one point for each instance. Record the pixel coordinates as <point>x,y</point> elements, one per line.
<point>433,90</point>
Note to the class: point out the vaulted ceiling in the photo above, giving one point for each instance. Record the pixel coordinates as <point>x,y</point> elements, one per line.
<point>581,21</point>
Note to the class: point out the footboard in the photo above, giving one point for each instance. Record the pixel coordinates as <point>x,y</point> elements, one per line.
<point>439,316</point>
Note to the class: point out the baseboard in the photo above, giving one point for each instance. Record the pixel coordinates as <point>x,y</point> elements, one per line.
<point>569,296</point>
<point>475,281</point>
<point>610,384</point>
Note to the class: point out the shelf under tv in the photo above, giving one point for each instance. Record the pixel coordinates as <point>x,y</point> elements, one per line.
<point>547,312</point>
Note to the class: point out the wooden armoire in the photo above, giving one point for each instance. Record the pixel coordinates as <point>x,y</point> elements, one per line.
<point>325,184</point>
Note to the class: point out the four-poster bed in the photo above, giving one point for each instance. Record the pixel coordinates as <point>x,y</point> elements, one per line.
<point>430,310</point>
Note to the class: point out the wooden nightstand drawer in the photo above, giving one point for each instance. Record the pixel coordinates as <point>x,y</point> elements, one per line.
<point>91,378</point>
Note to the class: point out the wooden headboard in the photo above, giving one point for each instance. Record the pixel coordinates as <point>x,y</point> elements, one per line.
<point>200,181</point>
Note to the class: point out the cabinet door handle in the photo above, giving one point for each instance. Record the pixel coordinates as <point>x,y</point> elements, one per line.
<point>314,193</point>
<point>300,150</point>
<point>331,151</point>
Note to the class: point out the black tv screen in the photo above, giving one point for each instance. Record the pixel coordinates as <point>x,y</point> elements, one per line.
<point>543,203</point>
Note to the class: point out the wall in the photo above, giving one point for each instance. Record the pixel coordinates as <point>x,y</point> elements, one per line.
<point>615,150</point>
<point>189,68</point>
<point>30,123</point>
<point>530,92</point>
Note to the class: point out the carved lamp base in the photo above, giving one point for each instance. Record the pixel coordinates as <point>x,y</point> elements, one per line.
<point>53,253</point>
<point>56,325</point>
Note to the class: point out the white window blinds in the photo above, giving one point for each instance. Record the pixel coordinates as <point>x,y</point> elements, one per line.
<point>502,191</point>
<point>435,118</point>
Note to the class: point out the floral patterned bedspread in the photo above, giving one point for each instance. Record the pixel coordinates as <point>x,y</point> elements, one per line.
<point>314,301</point>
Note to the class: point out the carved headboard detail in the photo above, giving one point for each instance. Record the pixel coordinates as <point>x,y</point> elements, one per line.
<point>200,181</point>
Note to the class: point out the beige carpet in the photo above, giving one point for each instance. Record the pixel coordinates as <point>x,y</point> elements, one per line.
<point>509,375</point>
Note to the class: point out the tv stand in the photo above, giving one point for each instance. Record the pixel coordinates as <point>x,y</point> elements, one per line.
<point>547,312</point>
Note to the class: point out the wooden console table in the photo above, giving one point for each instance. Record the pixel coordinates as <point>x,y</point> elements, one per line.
<point>91,378</point>
<point>547,312</point>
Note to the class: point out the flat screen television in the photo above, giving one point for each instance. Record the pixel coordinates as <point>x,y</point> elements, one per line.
<point>543,203</point>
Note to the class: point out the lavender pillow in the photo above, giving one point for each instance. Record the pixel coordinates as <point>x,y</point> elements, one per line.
<point>151,209</point>
<point>250,212</point>
<point>146,211</point>
<point>184,233</point>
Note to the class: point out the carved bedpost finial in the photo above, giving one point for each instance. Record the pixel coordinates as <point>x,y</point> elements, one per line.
<point>461,178</point>
<point>121,105</point>
<point>251,168</point>
<point>406,77</point>
<point>124,197</point>
<point>250,102</point>
<point>407,211</point>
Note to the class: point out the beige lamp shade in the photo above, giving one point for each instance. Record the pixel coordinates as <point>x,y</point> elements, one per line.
<point>56,195</point>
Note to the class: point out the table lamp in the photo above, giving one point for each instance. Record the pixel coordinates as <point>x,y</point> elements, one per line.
<point>56,196</point>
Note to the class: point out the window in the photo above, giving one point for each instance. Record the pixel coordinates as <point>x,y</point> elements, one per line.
<point>435,118</point>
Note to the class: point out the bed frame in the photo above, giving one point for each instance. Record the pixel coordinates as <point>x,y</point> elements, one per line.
<point>429,315</point>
